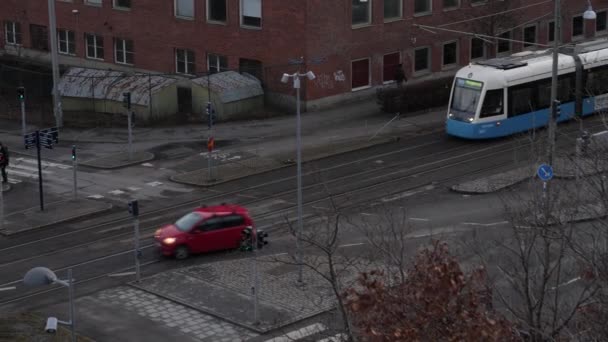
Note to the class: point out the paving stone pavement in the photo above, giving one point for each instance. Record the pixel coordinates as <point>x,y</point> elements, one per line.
<point>193,323</point>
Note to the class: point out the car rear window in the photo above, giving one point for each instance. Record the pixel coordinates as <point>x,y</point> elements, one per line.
<point>186,223</point>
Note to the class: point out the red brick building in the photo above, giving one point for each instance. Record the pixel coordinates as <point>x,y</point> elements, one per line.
<point>352,46</point>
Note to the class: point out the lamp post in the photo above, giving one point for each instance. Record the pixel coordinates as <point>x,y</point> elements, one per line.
<point>39,276</point>
<point>588,15</point>
<point>57,111</point>
<point>296,84</point>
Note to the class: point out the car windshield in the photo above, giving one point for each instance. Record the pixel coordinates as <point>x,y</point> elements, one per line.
<point>186,223</point>
<point>465,99</point>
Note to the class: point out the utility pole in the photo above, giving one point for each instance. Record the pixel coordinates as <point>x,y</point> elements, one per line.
<point>21,95</point>
<point>1,205</point>
<point>554,102</point>
<point>57,110</point>
<point>74,167</point>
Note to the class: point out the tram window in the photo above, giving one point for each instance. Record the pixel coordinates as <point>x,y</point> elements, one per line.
<point>544,94</point>
<point>565,88</point>
<point>522,100</point>
<point>597,82</point>
<point>492,103</point>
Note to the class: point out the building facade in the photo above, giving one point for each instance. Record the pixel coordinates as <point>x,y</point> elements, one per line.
<point>353,46</point>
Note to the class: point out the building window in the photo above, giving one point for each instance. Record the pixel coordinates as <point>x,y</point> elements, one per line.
<point>252,67</point>
<point>184,9</point>
<point>94,2</point>
<point>123,51</point>
<point>529,36</point>
<point>390,63</point>
<point>66,42</point>
<point>39,37</point>
<point>578,27</point>
<point>600,22</point>
<point>503,45</point>
<point>94,46</point>
<point>124,4</point>
<point>12,32</point>
<point>216,10</point>
<point>251,13</point>
<point>450,4</point>
<point>392,9</point>
<point>184,61</point>
<point>478,2</point>
<point>551,33</point>
<point>422,58</point>
<point>450,54</point>
<point>217,63</point>
<point>360,73</point>
<point>422,7</point>
<point>361,12</point>
<point>477,48</point>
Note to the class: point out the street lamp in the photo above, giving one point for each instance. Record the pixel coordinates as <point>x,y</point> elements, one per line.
<point>296,84</point>
<point>57,111</point>
<point>39,276</point>
<point>588,15</point>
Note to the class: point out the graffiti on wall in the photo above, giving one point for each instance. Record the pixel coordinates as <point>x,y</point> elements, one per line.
<point>325,81</point>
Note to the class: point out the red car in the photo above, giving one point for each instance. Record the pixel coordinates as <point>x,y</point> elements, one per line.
<point>205,229</point>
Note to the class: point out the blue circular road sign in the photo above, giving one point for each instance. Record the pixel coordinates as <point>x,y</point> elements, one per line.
<point>545,172</point>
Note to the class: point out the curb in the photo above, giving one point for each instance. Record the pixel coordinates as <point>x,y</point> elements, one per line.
<point>148,156</point>
<point>285,164</point>
<point>108,207</point>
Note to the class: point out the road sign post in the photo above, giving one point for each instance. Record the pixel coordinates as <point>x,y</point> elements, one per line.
<point>545,173</point>
<point>43,138</point>
<point>210,146</point>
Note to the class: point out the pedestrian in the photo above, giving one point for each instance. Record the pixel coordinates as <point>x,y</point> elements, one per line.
<point>3,162</point>
<point>400,75</point>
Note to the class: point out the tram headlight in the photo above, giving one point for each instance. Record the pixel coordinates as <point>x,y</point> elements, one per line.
<point>471,119</point>
<point>450,115</point>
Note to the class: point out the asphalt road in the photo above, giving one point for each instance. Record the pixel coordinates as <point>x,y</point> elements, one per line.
<point>411,175</point>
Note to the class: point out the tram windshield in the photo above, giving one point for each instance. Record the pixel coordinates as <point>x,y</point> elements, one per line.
<point>465,99</point>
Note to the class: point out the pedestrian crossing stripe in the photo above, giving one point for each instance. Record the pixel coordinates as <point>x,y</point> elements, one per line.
<point>95,196</point>
<point>300,333</point>
<point>14,181</point>
<point>44,163</point>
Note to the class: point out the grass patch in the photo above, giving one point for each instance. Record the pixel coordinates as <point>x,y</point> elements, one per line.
<point>29,327</point>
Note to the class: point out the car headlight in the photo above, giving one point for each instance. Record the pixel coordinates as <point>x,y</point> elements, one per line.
<point>157,232</point>
<point>169,241</point>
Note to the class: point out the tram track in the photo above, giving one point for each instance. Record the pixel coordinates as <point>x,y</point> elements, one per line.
<point>396,176</point>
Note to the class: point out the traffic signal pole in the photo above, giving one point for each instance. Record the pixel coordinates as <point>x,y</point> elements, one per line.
<point>74,167</point>
<point>21,94</point>
<point>39,171</point>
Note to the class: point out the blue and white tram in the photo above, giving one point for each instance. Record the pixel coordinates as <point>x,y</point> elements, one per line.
<point>503,96</point>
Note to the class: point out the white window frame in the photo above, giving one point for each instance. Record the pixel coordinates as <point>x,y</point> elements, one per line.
<point>451,8</point>
<point>180,16</point>
<point>217,62</point>
<point>124,8</point>
<point>95,46</point>
<point>428,61</point>
<point>186,62</point>
<point>582,35</point>
<point>398,17</point>
<point>241,15</point>
<point>523,33</point>
<point>122,41</point>
<point>369,16</point>
<point>369,74</point>
<point>427,12</point>
<point>97,3</point>
<point>208,11</point>
<point>12,32</point>
<point>451,65</point>
<point>66,38</point>
<point>483,49</point>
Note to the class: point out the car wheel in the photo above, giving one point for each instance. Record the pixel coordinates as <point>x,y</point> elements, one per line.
<point>182,252</point>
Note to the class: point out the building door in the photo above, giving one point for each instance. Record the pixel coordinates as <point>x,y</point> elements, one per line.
<point>184,100</point>
<point>251,66</point>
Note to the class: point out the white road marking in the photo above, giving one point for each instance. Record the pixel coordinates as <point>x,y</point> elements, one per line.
<point>121,274</point>
<point>368,214</point>
<point>28,175</point>
<point>418,219</point>
<point>46,164</point>
<point>95,196</point>
<point>14,181</point>
<point>484,224</point>
<point>246,196</point>
<point>379,161</point>
<point>352,244</point>
<point>406,194</point>
<point>8,288</point>
<point>300,333</point>
<point>147,165</point>
<point>234,158</point>
<point>154,183</point>
<point>133,188</point>
<point>116,192</point>
<point>320,208</point>
<point>335,338</point>
<point>25,167</point>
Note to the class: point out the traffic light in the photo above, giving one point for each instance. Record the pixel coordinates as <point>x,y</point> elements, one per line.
<point>557,108</point>
<point>21,93</point>
<point>73,152</point>
<point>133,208</point>
<point>126,100</point>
